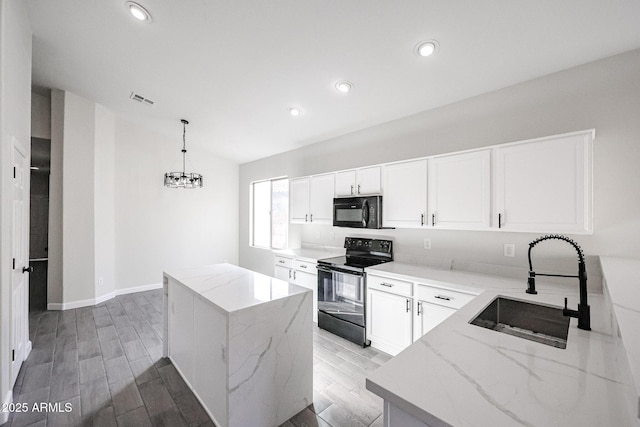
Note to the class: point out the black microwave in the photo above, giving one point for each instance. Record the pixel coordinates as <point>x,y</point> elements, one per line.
<point>358,212</point>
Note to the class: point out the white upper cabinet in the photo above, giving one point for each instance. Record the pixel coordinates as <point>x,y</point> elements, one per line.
<point>545,185</point>
<point>312,199</point>
<point>460,191</point>
<point>404,202</point>
<point>299,200</point>
<point>358,182</point>
<point>321,199</point>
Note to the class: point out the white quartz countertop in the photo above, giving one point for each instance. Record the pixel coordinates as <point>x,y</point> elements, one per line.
<point>232,288</point>
<point>310,254</point>
<point>464,375</point>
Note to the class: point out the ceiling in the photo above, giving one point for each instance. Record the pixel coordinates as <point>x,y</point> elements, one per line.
<point>234,68</point>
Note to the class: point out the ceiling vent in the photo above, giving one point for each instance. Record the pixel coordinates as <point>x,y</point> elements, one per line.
<point>141,99</point>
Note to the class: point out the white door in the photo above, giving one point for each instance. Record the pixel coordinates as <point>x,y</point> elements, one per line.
<point>299,196</point>
<point>345,183</point>
<point>428,316</point>
<point>368,181</point>
<point>389,319</point>
<point>405,194</point>
<point>321,199</point>
<point>544,186</point>
<point>20,251</point>
<point>460,191</point>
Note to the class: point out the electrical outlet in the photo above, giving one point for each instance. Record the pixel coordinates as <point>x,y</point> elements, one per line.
<point>509,250</point>
<point>100,281</point>
<point>427,243</point>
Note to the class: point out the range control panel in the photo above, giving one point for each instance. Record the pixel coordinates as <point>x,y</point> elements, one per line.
<point>360,244</point>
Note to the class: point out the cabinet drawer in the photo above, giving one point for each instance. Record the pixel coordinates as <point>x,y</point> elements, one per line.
<point>386,284</point>
<point>284,261</point>
<point>443,297</point>
<point>308,267</point>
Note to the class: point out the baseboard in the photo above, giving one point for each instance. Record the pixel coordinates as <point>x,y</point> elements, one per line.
<point>4,415</point>
<point>99,300</point>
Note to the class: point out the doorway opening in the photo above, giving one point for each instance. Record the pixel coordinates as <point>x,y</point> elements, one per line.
<point>39,223</point>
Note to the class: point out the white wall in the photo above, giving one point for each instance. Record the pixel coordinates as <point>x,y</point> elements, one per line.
<point>602,95</point>
<point>15,117</point>
<point>40,116</point>
<point>161,228</point>
<point>104,201</point>
<point>78,221</point>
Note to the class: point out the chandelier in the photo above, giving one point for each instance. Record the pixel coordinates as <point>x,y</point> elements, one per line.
<point>183,179</point>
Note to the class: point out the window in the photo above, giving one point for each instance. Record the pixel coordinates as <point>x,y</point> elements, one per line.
<point>270,213</point>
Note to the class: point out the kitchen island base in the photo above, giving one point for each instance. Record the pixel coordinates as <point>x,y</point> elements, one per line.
<point>249,363</point>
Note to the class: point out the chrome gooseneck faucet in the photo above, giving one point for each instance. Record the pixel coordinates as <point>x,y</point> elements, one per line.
<point>583,313</point>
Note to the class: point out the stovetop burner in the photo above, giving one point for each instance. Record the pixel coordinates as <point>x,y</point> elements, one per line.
<point>361,253</point>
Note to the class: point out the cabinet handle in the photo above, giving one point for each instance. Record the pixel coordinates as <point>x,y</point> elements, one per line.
<point>408,305</point>
<point>499,220</point>
<point>352,189</point>
<point>388,285</point>
<point>358,188</point>
<point>443,297</point>
<point>433,219</point>
<point>310,217</point>
<point>281,261</point>
<point>419,307</point>
<point>305,217</point>
<point>302,266</point>
<point>421,219</point>
<point>294,275</point>
<point>289,274</point>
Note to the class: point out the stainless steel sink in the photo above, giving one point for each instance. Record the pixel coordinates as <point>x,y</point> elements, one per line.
<point>539,323</point>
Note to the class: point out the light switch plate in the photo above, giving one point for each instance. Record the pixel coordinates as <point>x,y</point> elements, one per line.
<point>427,243</point>
<point>509,250</point>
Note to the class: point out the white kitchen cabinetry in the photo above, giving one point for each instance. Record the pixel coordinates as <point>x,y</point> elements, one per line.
<point>358,182</point>
<point>460,191</point>
<point>312,199</point>
<point>434,305</point>
<point>389,314</point>
<point>299,272</point>
<point>545,185</point>
<point>405,194</point>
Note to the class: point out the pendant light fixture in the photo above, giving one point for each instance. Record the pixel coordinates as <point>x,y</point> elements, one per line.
<point>183,179</point>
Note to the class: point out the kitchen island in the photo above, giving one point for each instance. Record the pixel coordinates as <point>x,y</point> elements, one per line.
<point>242,341</point>
<point>460,374</point>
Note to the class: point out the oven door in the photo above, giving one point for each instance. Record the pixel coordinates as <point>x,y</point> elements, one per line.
<point>341,294</point>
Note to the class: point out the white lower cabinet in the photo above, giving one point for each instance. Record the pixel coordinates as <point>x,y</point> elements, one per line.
<point>389,319</point>
<point>401,310</point>
<point>301,273</point>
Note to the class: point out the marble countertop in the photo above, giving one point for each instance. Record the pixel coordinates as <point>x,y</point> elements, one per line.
<point>464,375</point>
<point>622,282</point>
<point>310,254</point>
<point>232,288</point>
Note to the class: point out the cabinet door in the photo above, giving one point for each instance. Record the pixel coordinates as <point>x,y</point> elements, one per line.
<point>299,196</point>
<point>283,273</point>
<point>321,199</point>
<point>368,181</point>
<point>345,183</point>
<point>309,281</point>
<point>428,316</point>
<point>460,191</point>
<point>389,320</point>
<point>405,194</point>
<point>181,332</point>
<point>544,185</point>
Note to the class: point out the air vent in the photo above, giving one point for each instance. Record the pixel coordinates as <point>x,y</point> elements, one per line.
<point>141,99</point>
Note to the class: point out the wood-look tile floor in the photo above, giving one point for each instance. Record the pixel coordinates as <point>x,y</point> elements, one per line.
<point>105,363</point>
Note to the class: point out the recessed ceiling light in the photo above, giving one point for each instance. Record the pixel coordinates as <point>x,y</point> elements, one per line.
<point>295,111</point>
<point>426,48</point>
<point>138,11</point>
<point>344,86</point>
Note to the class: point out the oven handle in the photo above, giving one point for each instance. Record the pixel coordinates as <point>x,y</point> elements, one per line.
<point>338,270</point>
